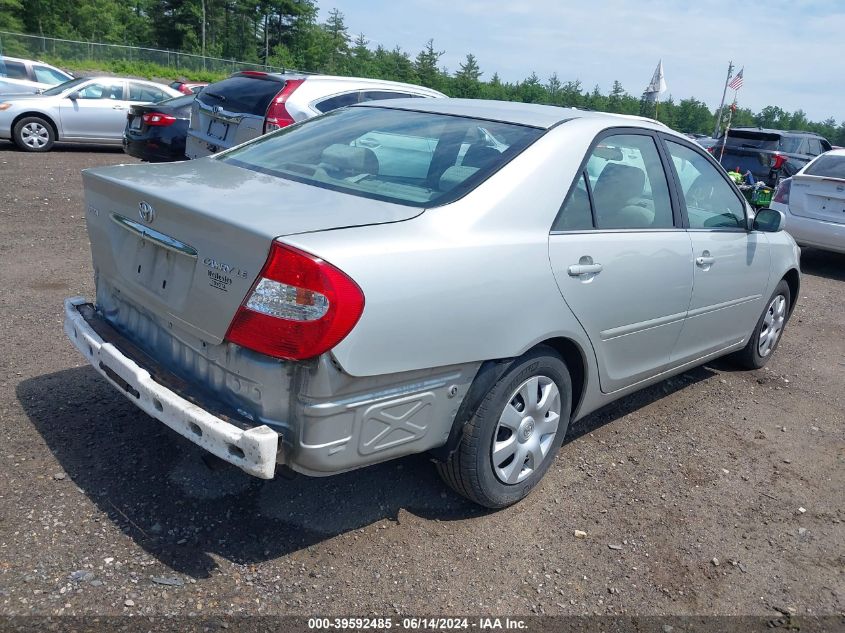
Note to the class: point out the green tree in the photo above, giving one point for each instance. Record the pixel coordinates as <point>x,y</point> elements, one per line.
<point>338,41</point>
<point>10,15</point>
<point>425,66</point>
<point>466,82</point>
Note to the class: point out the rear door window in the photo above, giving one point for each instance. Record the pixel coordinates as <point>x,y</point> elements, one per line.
<point>250,95</point>
<point>12,70</point>
<point>338,101</point>
<point>378,95</point>
<point>628,184</point>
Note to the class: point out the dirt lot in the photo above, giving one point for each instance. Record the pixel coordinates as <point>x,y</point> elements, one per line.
<point>721,491</point>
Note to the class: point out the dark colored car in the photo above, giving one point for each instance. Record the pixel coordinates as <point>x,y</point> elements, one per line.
<point>768,154</point>
<point>156,132</point>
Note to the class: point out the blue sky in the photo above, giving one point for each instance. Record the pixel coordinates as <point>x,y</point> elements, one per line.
<point>793,51</point>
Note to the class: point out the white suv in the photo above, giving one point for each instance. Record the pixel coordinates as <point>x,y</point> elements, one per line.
<point>24,76</point>
<point>251,103</point>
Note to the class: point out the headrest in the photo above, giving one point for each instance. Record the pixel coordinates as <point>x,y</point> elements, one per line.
<point>454,176</point>
<point>355,160</point>
<point>480,156</point>
<point>620,182</point>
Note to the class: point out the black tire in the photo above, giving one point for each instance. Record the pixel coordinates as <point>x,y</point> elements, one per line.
<point>469,470</point>
<point>750,356</point>
<point>34,134</point>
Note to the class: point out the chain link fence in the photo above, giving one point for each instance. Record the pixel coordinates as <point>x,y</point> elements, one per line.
<point>38,47</point>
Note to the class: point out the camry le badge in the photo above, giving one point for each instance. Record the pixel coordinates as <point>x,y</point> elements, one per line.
<point>146,211</point>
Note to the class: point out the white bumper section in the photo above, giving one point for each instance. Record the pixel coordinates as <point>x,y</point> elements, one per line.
<point>253,450</point>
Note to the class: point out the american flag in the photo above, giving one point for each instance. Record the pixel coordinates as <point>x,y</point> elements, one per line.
<point>736,82</point>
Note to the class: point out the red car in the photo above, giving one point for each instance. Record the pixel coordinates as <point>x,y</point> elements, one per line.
<point>188,87</point>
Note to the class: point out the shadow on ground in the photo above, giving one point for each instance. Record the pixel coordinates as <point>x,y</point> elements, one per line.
<point>181,507</point>
<point>823,264</point>
<point>9,146</point>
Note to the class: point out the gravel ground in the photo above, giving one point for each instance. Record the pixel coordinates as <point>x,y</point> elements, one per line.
<point>715,492</point>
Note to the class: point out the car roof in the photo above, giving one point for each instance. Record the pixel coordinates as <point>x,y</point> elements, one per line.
<point>764,130</point>
<point>530,114</point>
<point>366,81</point>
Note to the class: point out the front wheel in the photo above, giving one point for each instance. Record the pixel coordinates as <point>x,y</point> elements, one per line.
<point>512,438</point>
<point>34,134</point>
<point>766,335</point>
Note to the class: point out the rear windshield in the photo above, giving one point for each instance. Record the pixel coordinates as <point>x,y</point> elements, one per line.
<point>178,102</point>
<point>764,140</point>
<point>249,95</point>
<point>411,158</point>
<point>831,166</point>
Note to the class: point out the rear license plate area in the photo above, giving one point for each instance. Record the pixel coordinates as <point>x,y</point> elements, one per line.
<point>135,123</point>
<point>218,129</point>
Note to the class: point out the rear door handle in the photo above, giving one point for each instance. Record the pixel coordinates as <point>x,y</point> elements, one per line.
<point>704,260</point>
<point>578,270</point>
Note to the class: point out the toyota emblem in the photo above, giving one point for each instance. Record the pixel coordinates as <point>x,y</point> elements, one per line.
<point>146,211</point>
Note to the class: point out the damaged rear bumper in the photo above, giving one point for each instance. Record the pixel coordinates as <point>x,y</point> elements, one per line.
<point>252,449</point>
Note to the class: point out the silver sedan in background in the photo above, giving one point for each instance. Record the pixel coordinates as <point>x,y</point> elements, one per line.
<point>813,201</point>
<point>86,110</point>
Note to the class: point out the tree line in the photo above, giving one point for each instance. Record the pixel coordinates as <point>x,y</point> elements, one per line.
<point>287,33</point>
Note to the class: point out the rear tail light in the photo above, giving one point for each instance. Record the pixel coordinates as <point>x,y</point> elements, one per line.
<point>299,307</point>
<point>277,114</point>
<point>782,192</point>
<point>158,119</point>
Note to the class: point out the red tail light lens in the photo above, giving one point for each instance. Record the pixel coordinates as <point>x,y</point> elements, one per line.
<point>782,192</point>
<point>157,119</point>
<point>299,307</point>
<point>277,114</point>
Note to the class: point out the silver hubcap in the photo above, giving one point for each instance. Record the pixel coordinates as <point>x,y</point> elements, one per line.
<point>34,135</point>
<point>772,326</point>
<point>526,429</point>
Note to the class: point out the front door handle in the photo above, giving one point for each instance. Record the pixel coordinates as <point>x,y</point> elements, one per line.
<point>118,107</point>
<point>704,260</point>
<point>577,270</point>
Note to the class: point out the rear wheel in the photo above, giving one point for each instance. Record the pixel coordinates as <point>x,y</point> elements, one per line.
<point>34,134</point>
<point>766,335</point>
<point>512,438</point>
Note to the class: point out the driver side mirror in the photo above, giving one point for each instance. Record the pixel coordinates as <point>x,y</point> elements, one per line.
<point>73,96</point>
<point>769,221</point>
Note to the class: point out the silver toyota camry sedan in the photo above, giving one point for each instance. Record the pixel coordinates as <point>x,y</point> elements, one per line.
<point>86,110</point>
<point>458,277</point>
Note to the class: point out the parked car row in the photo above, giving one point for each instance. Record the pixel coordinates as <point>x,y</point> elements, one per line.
<point>84,110</point>
<point>249,104</point>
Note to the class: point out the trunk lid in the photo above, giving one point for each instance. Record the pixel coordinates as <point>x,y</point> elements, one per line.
<point>179,107</point>
<point>186,241</point>
<point>818,197</point>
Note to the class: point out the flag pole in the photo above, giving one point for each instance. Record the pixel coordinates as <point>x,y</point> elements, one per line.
<point>722,105</point>
<point>728,126</point>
